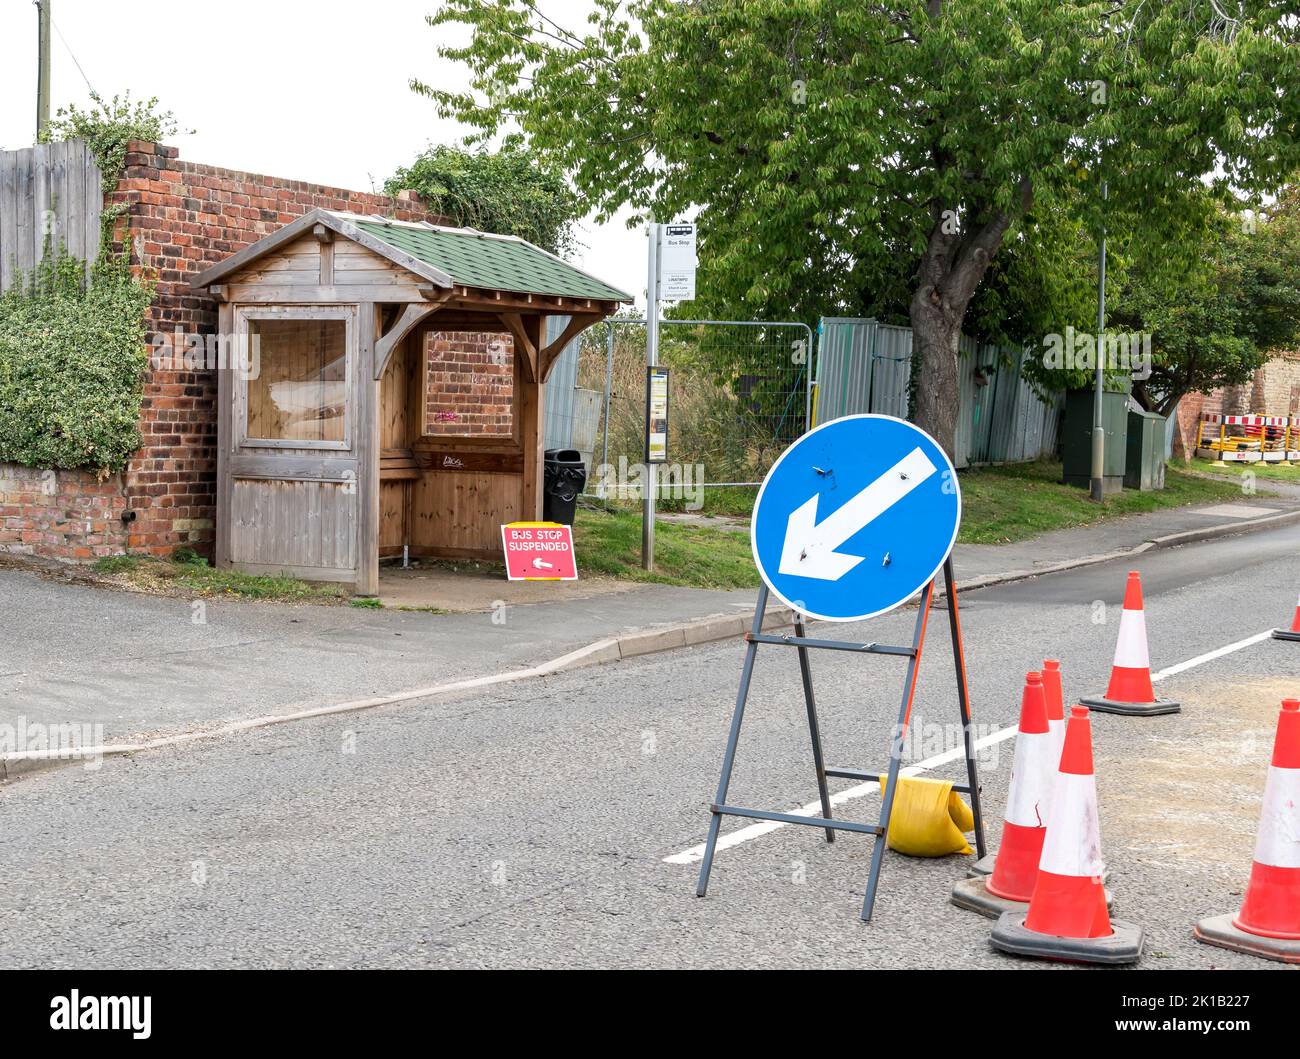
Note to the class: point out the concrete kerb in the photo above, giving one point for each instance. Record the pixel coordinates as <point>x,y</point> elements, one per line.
<point>1173,540</point>
<point>688,634</point>
<point>611,649</point>
<point>994,580</point>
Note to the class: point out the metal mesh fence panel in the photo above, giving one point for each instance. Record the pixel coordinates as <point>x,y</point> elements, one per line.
<point>739,394</point>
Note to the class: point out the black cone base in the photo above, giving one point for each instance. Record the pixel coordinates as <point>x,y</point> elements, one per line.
<point>1221,931</point>
<point>1123,946</point>
<point>1133,709</point>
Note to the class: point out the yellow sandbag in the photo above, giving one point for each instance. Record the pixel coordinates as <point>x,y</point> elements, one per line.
<point>961,816</point>
<point>928,818</point>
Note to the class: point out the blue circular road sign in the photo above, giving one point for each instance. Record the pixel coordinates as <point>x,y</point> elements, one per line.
<point>856,517</point>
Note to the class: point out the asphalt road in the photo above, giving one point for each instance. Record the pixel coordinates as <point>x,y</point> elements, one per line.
<point>528,826</point>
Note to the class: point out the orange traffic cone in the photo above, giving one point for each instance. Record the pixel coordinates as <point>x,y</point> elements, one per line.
<point>1130,691</point>
<point>1055,693</point>
<point>1033,774</point>
<point>1056,725</point>
<point>1269,921</point>
<point>1292,633</point>
<point>1067,917</point>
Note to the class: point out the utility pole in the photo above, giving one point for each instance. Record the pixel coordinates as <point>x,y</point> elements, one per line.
<point>1098,403</point>
<point>43,69</point>
<point>651,471</point>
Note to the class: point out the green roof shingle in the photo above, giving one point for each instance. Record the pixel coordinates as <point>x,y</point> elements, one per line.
<point>476,260</point>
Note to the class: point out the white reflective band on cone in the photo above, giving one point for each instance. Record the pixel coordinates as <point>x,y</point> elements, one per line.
<point>1279,821</point>
<point>1131,651</point>
<point>1058,737</point>
<point>1073,842</point>
<point>1032,774</point>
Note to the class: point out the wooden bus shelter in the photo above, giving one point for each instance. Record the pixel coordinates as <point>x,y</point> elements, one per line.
<point>383,391</point>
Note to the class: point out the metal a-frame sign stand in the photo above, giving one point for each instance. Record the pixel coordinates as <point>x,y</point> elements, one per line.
<point>803,645</point>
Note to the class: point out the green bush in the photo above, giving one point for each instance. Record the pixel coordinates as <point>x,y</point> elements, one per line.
<point>508,192</point>
<point>72,358</point>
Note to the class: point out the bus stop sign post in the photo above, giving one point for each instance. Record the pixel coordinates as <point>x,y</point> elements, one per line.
<point>852,521</point>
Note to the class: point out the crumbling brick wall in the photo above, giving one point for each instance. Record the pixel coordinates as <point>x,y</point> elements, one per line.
<point>61,514</point>
<point>1276,390</point>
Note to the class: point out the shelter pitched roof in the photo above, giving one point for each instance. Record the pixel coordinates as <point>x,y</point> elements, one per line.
<point>443,256</point>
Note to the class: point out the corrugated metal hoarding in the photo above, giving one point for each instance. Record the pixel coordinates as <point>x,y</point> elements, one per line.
<point>558,410</point>
<point>865,366</point>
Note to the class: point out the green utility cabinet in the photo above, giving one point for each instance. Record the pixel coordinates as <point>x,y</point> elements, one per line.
<point>1076,439</point>
<point>1145,469</point>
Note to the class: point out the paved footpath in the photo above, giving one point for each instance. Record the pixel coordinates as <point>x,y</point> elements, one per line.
<point>542,824</point>
<point>141,667</point>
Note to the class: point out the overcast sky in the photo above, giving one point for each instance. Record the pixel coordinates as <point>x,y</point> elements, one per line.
<point>313,91</point>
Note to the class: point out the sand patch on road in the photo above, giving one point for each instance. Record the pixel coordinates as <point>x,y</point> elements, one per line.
<point>1185,790</point>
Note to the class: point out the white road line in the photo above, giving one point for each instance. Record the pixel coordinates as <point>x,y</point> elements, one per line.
<point>1200,660</point>
<point>745,834</point>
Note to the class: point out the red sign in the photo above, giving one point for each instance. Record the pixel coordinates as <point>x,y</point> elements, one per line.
<point>539,551</point>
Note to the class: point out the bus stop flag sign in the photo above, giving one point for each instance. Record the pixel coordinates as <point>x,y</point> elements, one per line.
<point>856,517</point>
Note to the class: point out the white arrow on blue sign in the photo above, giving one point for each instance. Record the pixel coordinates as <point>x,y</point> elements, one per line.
<point>856,517</point>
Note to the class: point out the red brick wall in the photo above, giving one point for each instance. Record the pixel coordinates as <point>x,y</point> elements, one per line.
<point>1277,386</point>
<point>470,391</point>
<point>60,514</point>
<point>181,218</point>
<point>1275,391</point>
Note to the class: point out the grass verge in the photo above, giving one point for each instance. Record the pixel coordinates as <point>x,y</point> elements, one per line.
<point>1000,505</point>
<point>721,500</point>
<point>693,556</point>
<point>1272,471</point>
<point>1005,504</point>
<point>191,575</point>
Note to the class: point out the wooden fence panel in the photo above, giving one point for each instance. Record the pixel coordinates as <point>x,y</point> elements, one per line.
<point>50,195</point>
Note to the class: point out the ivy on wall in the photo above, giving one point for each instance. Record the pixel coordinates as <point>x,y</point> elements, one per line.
<point>72,359</point>
<point>107,127</point>
<point>73,349</point>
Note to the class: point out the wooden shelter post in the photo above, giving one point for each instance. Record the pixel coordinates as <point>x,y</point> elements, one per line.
<point>367,484</point>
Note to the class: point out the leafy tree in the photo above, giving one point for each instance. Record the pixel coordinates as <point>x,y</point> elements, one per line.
<point>846,155</point>
<point>1216,323</point>
<point>507,191</point>
<point>1210,320</point>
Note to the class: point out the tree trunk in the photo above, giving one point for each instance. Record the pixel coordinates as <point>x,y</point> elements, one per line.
<point>1170,401</point>
<point>951,268</point>
<point>936,331</point>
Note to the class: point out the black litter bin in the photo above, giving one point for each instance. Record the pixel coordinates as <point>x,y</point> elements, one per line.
<point>565,479</point>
